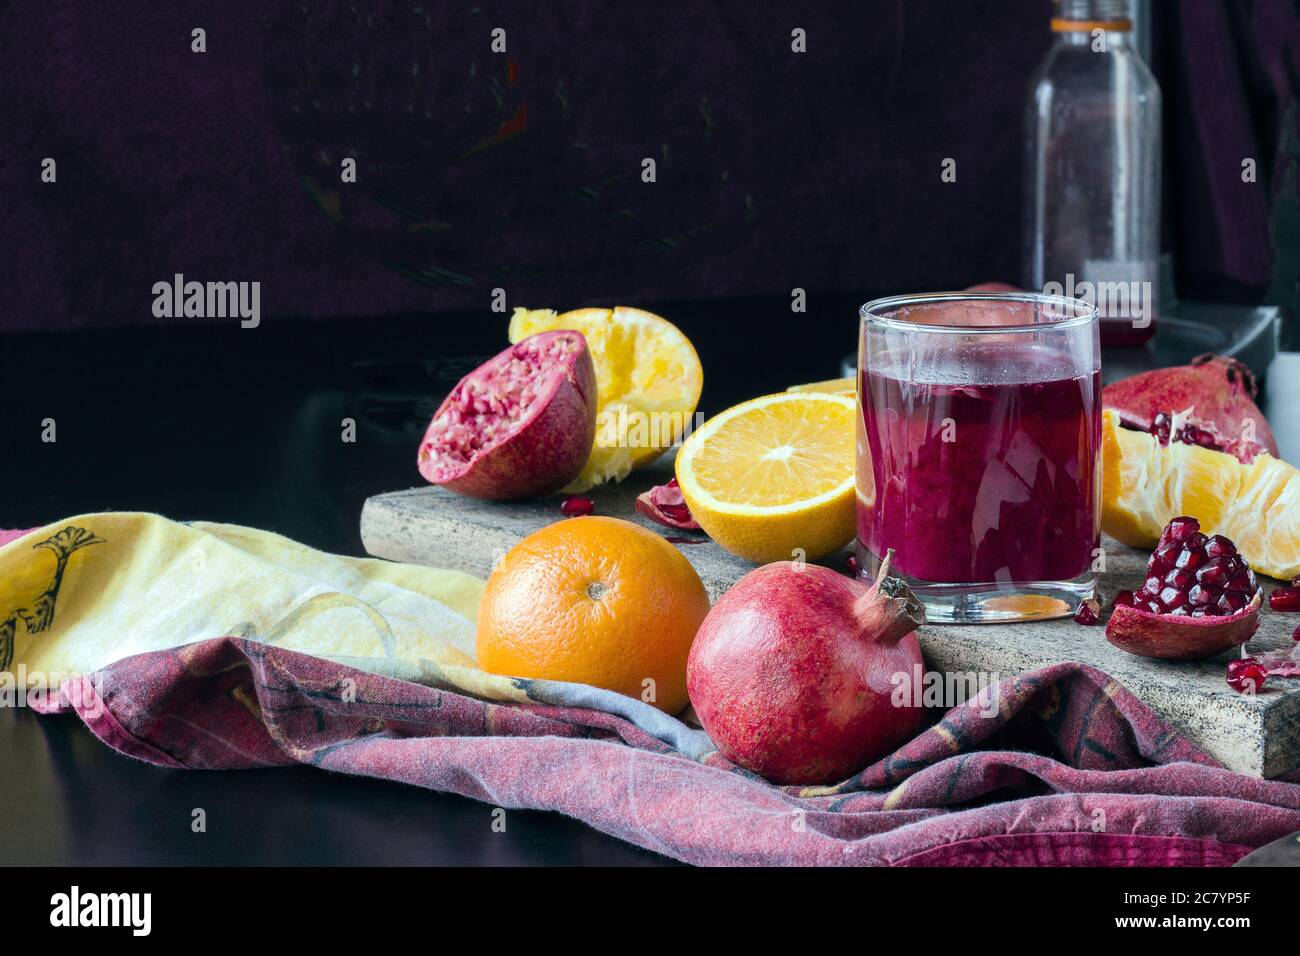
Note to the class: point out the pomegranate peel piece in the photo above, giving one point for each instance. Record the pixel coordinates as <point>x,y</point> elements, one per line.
<point>666,505</point>
<point>1213,398</point>
<point>1173,637</point>
<point>1281,663</point>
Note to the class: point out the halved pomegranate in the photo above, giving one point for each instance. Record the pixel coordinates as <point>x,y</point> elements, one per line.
<point>1199,599</point>
<point>666,505</point>
<point>1210,402</point>
<point>520,425</point>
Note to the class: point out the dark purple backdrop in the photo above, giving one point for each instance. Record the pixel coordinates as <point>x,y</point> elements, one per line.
<point>477,169</point>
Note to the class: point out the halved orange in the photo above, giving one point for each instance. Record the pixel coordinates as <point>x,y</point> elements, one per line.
<point>1145,483</point>
<point>648,382</point>
<point>772,478</point>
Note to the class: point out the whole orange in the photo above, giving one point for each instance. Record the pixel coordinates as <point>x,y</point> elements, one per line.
<point>597,601</point>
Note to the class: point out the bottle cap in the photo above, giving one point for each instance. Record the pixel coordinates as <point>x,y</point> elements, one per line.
<point>1084,16</point>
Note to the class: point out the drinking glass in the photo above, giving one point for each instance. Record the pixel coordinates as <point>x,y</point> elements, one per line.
<point>979,451</point>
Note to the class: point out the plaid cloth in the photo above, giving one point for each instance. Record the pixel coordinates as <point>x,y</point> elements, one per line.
<point>366,667</point>
<point>1071,770</point>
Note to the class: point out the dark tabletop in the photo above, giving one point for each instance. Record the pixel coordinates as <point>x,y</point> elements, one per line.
<point>243,425</point>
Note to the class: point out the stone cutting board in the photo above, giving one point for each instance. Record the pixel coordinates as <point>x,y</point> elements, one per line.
<point>1255,735</point>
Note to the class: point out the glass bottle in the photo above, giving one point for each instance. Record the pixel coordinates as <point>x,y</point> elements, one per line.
<point>1093,178</point>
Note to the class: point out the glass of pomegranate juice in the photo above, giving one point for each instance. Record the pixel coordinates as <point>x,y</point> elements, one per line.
<point>979,451</point>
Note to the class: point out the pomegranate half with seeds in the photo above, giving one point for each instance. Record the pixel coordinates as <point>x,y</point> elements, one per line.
<point>520,425</point>
<point>1199,599</point>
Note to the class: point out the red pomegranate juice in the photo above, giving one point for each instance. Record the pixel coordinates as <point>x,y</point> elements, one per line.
<point>989,475</point>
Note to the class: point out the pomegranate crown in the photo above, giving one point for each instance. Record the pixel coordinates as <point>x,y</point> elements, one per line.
<point>889,611</point>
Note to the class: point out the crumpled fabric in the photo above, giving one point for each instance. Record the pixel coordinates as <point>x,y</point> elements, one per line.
<point>217,647</point>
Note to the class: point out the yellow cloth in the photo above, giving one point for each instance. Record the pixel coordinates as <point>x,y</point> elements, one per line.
<point>81,593</point>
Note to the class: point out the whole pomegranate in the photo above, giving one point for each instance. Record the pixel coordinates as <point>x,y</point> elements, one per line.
<point>793,671</point>
<point>520,425</point>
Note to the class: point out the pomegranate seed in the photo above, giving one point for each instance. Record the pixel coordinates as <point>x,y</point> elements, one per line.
<point>1125,598</point>
<point>676,512</point>
<point>1194,435</point>
<point>1237,663</point>
<point>1170,598</point>
<point>1180,529</point>
<point>1241,584</point>
<point>1246,675</point>
<point>575,506</point>
<point>1199,596</point>
<point>1295,581</point>
<point>1191,558</point>
<point>1180,578</point>
<point>1285,599</point>
<point>1295,635</point>
<point>852,562</point>
<point>1219,546</point>
<point>1164,557</point>
<point>1089,612</point>
<point>1214,573</point>
<point>1160,427</point>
